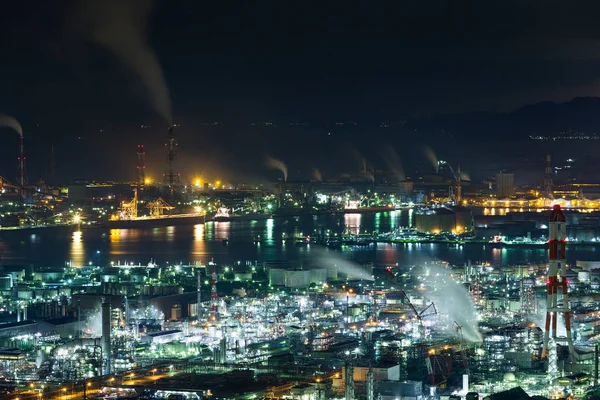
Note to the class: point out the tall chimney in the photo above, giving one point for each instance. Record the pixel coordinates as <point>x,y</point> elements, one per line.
<point>106,348</point>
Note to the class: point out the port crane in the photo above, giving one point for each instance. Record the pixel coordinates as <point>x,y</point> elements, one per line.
<point>427,311</point>
<point>457,195</point>
<point>158,206</point>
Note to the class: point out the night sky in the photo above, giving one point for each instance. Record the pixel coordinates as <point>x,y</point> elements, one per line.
<point>313,62</point>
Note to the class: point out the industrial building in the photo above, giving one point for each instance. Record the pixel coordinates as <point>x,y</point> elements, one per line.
<point>455,219</point>
<point>505,185</point>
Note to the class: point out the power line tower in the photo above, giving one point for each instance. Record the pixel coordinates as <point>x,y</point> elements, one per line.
<point>141,166</point>
<point>171,178</point>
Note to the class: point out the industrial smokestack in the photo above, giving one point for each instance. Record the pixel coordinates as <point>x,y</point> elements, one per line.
<point>596,365</point>
<point>199,294</point>
<point>141,166</point>
<point>370,385</point>
<point>349,382</point>
<point>106,348</point>
<point>548,178</point>
<point>171,178</point>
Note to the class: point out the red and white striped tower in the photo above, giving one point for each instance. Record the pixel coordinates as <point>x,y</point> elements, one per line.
<point>557,237</point>
<point>213,293</point>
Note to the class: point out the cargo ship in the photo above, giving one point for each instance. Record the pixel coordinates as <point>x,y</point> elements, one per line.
<point>223,215</point>
<point>152,221</point>
<point>501,241</point>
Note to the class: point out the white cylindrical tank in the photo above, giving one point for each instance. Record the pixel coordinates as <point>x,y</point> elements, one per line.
<point>584,276</point>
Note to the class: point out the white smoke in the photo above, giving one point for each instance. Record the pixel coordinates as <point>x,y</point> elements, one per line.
<point>464,175</point>
<point>317,176</point>
<point>392,160</point>
<point>93,325</point>
<point>331,258</point>
<point>11,122</point>
<point>277,164</point>
<point>430,154</point>
<point>120,26</point>
<point>453,299</point>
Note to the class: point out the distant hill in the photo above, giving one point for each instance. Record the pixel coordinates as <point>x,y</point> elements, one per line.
<point>581,114</point>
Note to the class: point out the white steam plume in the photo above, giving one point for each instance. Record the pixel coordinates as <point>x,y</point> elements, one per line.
<point>120,26</point>
<point>430,154</point>
<point>369,175</point>
<point>392,160</point>
<point>331,258</point>
<point>317,176</point>
<point>277,164</point>
<point>453,299</point>
<point>11,122</point>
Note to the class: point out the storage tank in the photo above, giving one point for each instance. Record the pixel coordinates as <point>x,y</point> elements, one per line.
<point>6,282</point>
<point>584,276</point>
<point>297,278</point>
<point>277,276</point>
<point>318,275</point>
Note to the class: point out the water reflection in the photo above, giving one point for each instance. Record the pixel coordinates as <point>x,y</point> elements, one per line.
<point>270,226</point>
<point>77,253</point>
<point>170,233</point>
<point>198,232</point>
<point>199,244</point>
<point>410,218</point>
<point>210,230</point>
<point>222,230</point>
<point>203,242</point>
<point>115,235</point>
<point>394,219</point>
<point>352,222</point>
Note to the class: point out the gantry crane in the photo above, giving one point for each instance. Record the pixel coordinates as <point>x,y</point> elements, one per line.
<point>427,311</point>
<point>458,194</point>
<point>158,206</point>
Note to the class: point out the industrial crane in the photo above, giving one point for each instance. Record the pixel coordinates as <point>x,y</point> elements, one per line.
<point>458,194</point>
<point>427,311</point>
<point>462,348</point>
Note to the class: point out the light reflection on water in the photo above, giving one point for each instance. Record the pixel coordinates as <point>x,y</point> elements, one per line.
<point>352,223</point>
<point>77,252</point>
<point>54,247</point>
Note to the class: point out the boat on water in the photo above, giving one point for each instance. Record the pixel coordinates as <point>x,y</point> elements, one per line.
<point>358,210</point>
<point>223,215</point>
<point>502,241</point>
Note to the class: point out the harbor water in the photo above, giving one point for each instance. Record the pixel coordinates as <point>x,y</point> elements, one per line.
<point>229,242</point>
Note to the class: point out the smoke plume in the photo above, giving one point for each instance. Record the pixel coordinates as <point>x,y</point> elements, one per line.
<point>330,258</point>
<point>11,122</point>
<point>464,175</point>
<point>120,26</point>
<point>317,176</point>
<point>392,161</point>
<point>452,299</point>
<point>279,165</point>
<point>430,154</point>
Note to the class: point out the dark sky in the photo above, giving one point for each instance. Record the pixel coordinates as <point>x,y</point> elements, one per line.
<point>287,61</point>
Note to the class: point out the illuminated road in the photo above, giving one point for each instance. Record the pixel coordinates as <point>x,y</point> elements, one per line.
<point>75,391</point>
